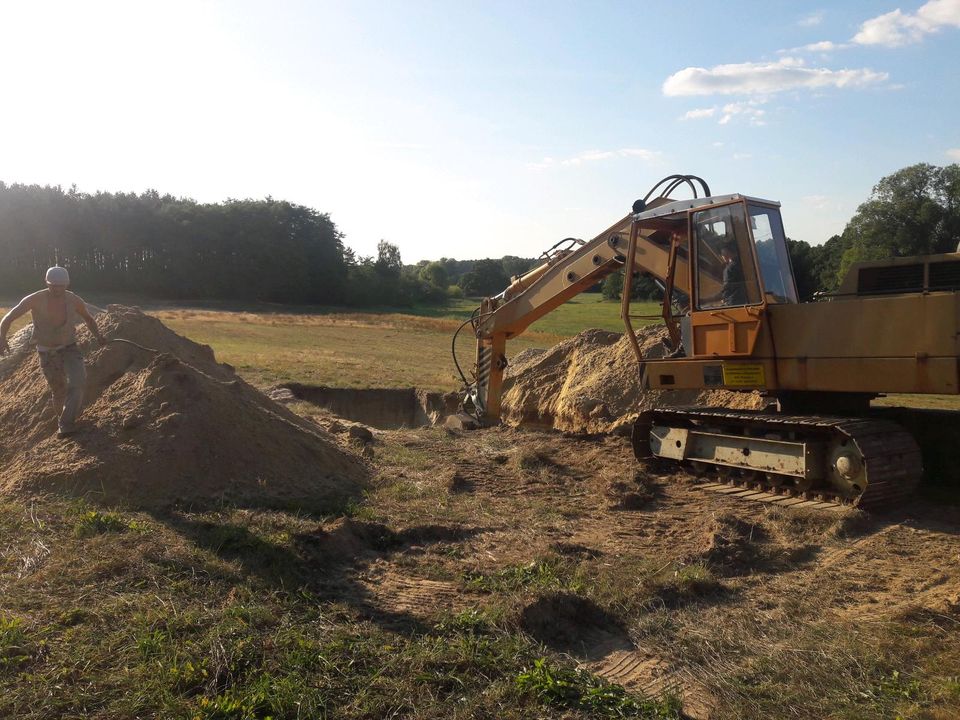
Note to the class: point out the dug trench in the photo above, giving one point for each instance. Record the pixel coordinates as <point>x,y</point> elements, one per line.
<point>381,408</point>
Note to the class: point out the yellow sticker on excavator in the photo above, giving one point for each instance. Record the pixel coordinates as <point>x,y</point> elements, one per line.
<point>743,375</point>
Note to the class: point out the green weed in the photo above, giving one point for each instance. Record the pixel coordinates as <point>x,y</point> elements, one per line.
<point>893,688</point>
<point>153,643</point>
<point>189,675</point>
<point>13,642</point>
<point>543,574</point>
<point>471,621</point>
<point>579,690</point>
<point>93,522</point>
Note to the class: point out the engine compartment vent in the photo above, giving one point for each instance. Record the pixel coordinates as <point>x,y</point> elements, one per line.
<point>890,279</point>
<point>944,275</point>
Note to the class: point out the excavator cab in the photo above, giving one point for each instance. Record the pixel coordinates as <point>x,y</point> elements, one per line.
<point>729,257</point>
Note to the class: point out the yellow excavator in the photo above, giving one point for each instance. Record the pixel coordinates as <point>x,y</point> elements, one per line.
<point>734,321</point>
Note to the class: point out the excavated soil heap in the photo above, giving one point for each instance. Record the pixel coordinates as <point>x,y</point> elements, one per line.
<point>164,428</point>
<point>590,384</point>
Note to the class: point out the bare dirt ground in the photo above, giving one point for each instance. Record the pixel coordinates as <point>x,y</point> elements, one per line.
<point>652,583</point>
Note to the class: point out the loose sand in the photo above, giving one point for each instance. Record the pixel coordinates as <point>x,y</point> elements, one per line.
<point>164,428</point>
<point>590,384</point>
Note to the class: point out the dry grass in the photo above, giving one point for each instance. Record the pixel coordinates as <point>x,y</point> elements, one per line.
<point>237,614</point>
<point>245,613</point>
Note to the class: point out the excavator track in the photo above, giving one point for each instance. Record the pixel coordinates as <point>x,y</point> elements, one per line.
<point>828,462</point>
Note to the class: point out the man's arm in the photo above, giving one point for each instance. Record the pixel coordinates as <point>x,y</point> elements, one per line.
<point>91,323</point>
<point>19,311</point>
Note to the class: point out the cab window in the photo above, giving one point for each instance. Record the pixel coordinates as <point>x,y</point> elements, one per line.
<point>725,273</point>
<point>772,254</point>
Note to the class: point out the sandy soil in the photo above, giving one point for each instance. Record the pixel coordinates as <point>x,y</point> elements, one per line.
<point>590,384</point>
<point>163,425</point>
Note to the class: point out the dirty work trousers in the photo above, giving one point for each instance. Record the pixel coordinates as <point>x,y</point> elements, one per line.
<point>66,377</point>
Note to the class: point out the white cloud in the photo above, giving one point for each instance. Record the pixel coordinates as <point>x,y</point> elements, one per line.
<point>824,46</point>
<point>742,156</point>
<point>748,109</point>
<point>894,29</point>
<point>954,154</point>
<point>699,113</point>
<point>596,155</point>
<point>764,78</point>
<point>897,28</point>
<point>811,20</point>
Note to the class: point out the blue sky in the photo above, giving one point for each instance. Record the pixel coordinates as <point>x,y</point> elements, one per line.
<point>480,129</point>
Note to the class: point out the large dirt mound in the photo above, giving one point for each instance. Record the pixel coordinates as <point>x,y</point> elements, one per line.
<point>164,428</point>
<point>590,384</point>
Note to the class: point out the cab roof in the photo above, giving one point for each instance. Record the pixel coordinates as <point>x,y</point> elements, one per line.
<point>682,206</point>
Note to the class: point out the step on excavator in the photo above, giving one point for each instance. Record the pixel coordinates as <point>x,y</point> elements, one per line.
<point>734,321</point>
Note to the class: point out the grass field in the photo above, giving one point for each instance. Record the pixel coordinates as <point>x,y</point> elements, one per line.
<point>494,574</point>
<point>378,347</point>
<point>365,349</point>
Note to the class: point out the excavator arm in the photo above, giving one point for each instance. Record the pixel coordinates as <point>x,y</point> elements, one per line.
<point>656,247</point>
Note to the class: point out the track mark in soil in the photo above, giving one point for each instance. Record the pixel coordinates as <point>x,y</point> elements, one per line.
<point>633,669</point>
<point>419,597</point>
<point>575,625</point>
<point>892,570</point>
<point>645,673</point>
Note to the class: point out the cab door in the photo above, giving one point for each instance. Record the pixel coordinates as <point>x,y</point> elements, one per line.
<point>728,303</point>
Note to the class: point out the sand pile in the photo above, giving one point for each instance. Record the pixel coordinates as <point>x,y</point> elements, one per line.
<point>590,384</point>
<point>164,428</point>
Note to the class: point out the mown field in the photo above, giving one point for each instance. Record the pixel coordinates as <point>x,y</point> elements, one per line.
<point>378,347</point>
<point>367,349</point>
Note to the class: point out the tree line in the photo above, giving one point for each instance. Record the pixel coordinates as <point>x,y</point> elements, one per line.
<point>270,250</point>
<point>163,246</point>
<point>167,247</point>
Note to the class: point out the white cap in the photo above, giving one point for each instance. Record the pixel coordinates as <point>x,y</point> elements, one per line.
<point>58,276</point>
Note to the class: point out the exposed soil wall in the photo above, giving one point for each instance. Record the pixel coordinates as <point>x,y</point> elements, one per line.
<point>161,428</point>
<point>383,408</point>
<point>590,383</point>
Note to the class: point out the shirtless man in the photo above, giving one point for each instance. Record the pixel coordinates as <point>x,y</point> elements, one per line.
<point>55,312</point>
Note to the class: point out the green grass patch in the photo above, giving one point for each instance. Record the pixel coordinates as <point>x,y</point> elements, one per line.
<point>94,522</point>
<point>549,573</point>
<point>590,310</point>
<point>577,689</point>
<point>473,621</point>
<point>13,642</point>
